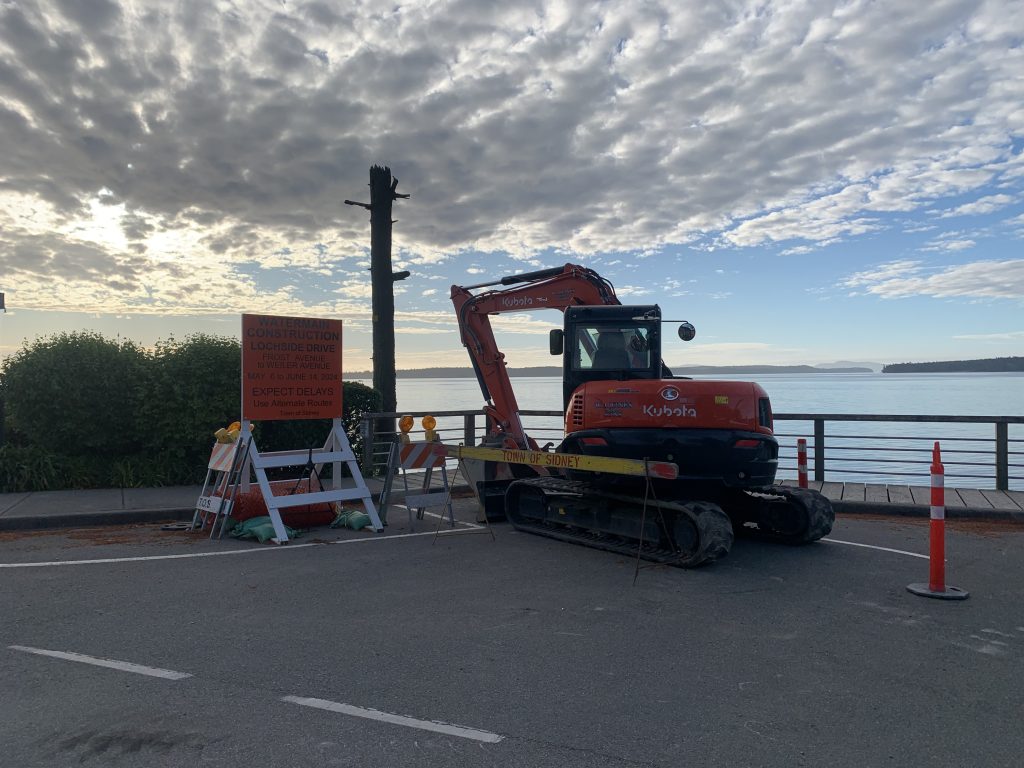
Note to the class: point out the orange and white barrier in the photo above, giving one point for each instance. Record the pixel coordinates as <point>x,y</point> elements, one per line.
<point>222,456</point>
<point>426,456</point>
<point>422,455</point>
<point>936,586</point>
<point>801,462</point>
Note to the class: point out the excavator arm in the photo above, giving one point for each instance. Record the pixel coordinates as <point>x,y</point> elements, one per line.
<point>555,288</point>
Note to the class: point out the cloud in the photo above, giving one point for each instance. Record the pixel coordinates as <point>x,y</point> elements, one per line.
<point>410,331</point>
<point>1004,336</point>
<point>134,136</point>
<point>949,244</point>
<point>982,205</point>
<point>733,346</point>
<point>633,291</point>
<point>800,250</point>
<point>525,324</point>
<point>976,280</point>
<point>56,273</point>
<point>727,353</point>
<point>882,273</point>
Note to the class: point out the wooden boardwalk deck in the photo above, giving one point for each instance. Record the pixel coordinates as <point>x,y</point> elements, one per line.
<point>862,496</point>
<point>918,496</point>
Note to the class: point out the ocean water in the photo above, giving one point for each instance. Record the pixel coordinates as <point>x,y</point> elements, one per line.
<point>854,451</point>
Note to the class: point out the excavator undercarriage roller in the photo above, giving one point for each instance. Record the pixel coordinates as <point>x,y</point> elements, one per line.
<point>782,513</point>
<point>685,534</point>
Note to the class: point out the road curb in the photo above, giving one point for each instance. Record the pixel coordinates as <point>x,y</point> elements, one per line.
<point>86,519</point>
<point>911,510</point>
<point>135,516</point>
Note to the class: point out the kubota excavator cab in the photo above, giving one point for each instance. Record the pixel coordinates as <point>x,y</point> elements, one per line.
<point>608,342</point>
<point>620,400</point>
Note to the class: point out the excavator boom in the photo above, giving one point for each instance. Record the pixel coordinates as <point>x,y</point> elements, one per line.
<point>556,288</point>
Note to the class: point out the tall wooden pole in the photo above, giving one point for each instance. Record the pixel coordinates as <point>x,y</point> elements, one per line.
<point>3,414</point>
<point>382,281</point>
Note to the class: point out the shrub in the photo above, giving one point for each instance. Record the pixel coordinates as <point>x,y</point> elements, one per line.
<point>192,390</point>
<point>87,412</point>
<point>27,468</point>
<point>76,393</point>
<point>89,471</point>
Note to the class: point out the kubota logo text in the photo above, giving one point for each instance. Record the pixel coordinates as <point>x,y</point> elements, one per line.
<point>517,301</point>
<point>661,411</point>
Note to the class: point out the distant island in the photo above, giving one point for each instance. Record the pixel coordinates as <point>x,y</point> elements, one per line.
<point>987,365</point>
<point>552,370</point>
<point>702,370</point>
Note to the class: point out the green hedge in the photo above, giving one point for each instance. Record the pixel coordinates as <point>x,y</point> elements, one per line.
<point>84,411</point>
<point>76,393</point>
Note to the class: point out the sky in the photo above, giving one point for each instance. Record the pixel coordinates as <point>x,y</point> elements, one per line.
<point>805,182</point>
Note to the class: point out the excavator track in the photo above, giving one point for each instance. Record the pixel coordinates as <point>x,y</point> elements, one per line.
<point>782,513</point>
<point>683,534</point>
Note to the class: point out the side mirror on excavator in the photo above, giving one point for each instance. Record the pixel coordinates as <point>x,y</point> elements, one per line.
<point>556,341</point>
<point>687,331</point>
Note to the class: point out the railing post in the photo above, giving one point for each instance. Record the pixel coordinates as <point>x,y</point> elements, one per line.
<point>469,429</point>
<point>1002,456</point>
<point>801,462</point>
<point>819,450</point>
<point>366,429</point>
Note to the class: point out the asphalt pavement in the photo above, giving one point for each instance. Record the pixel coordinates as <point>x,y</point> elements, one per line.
<point>129,645</point>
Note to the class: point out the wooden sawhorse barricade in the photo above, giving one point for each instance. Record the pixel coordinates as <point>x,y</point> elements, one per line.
<point>336,451</point>
<point>416,456</point>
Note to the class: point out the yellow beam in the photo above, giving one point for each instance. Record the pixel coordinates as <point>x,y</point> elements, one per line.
<point>634,467</point>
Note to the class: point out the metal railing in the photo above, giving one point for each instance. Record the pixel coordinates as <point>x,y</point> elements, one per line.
<point>977,451</point>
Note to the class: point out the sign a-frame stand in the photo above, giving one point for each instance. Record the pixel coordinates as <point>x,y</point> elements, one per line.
<point>291,369</point>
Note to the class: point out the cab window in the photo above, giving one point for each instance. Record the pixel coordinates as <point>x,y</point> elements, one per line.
<point>611,347</point>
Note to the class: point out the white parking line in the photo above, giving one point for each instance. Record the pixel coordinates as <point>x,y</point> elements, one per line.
<point>387,717</point>
<point>444,517</point>
<point>872,546</point>
<point>290,547</point>
<point>251,550</point>
<point>124,666</point>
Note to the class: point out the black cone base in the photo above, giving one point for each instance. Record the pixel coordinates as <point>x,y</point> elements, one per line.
<point>950,593</point>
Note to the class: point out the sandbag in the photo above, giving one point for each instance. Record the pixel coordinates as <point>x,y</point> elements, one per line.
<point>351,518</point>
<point>259,528</point>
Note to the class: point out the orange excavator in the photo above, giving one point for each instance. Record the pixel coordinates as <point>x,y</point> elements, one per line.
<point>622,401</point>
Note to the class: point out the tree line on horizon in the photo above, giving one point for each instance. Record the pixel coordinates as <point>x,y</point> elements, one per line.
<point>984,365</point>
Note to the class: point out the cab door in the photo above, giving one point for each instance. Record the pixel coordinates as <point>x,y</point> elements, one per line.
<point>608,351</point>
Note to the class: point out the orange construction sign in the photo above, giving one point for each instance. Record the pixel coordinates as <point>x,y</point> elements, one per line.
<point>291,368</point>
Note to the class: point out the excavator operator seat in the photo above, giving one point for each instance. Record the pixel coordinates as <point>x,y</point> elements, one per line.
<point>611,351</point>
